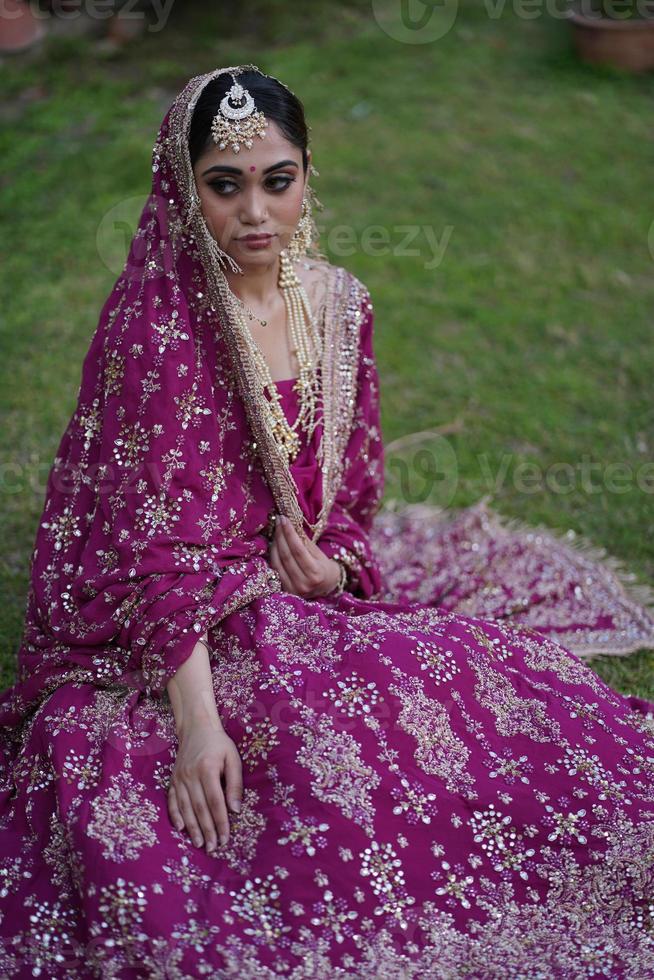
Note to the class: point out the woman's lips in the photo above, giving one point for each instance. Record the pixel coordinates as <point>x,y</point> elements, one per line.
<point>256,241</point>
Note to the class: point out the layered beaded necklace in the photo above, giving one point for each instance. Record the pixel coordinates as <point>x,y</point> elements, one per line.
<point>306,346</point>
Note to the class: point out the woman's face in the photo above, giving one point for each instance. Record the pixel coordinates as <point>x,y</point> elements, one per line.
<point>256,191</point>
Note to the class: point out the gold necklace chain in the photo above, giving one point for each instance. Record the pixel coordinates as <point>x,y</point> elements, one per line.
<point>305,345</point>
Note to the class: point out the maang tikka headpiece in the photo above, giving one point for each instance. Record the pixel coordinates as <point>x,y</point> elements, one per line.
<point>237,121</point>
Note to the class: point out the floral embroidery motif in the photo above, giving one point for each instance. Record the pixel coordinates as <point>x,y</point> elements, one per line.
<point>380,863</point>
<point>258,904</point>
<point>340,776</point>
<point>513,714</point>
<point>438,751</point>
<point>439,663</point>
<point>123,819</point>
<point>353,695</point>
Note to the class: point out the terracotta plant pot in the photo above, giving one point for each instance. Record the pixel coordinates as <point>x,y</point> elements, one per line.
<point>626,44</point>
<point>19,28</point>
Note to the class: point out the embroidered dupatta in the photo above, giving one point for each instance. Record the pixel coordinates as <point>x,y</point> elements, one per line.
<point>154,523</point>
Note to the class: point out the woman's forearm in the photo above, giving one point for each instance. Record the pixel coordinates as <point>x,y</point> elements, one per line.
<point>191,690</point>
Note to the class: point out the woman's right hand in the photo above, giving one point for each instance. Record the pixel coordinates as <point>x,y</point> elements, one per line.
<point>196,799</point>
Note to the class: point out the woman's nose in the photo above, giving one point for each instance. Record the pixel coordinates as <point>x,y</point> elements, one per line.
<point>254,208</point>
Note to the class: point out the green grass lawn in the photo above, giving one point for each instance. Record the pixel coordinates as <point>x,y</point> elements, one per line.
<point>534,330</point>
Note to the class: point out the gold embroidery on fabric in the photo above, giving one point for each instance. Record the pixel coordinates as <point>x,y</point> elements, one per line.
<point>438,751</point>
<point>124,819</point>
<point>341,777</point>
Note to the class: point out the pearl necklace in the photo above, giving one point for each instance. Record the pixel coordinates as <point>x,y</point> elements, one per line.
<point>305,343</point>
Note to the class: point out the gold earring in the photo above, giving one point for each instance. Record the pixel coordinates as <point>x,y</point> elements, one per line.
<point>304,232</point>
<point>305,237</point>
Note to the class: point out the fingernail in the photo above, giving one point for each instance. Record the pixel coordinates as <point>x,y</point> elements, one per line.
<point>211,848</point>
<point>224,838</point>
<point>236,806</point>
<point>197,841</point>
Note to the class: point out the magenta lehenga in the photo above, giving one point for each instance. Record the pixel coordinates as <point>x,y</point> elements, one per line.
<point>435,784</point>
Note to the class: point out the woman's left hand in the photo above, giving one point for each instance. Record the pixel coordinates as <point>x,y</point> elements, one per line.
<point>303,568</point>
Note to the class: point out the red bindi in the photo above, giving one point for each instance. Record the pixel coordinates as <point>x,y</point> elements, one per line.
<point>252,168</point>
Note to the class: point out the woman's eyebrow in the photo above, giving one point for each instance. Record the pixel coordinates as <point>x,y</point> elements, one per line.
<point>235,170</point>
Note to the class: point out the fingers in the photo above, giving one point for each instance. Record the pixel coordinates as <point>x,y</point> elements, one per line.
<point>234,780</point>
<point>199,804</point>
<point>173,809</point>
<point>217,811</point>
<point>204,815</point>
<point>288,583</point>
<point>275,563</point>
<point>297,562</point>
<point>292,564</point>
<point>188,814</point>
<point>288,571</point>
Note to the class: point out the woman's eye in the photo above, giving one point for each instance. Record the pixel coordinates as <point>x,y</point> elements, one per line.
<point>220,185</point>
<point>223,187</point>
<point>286,179</point>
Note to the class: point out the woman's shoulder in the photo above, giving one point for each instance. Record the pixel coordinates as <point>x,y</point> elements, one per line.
<point>318,274</point>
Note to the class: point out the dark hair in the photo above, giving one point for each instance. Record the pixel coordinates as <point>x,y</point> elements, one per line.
<point>270,97</point>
